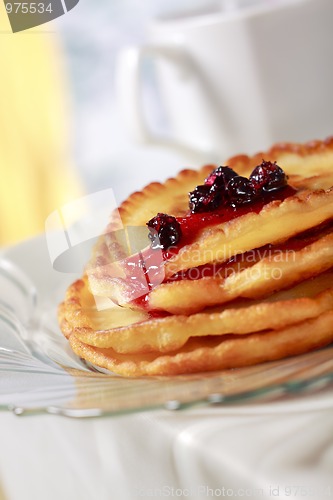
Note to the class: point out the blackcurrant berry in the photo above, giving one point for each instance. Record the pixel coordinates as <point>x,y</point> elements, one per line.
<point>268,176</point>
<point>164,231</point>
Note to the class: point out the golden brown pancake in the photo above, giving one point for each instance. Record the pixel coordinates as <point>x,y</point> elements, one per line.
<point>268,293</point>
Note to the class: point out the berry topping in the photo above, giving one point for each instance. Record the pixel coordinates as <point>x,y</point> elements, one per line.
<point>164,231</point>
<point>226,194</point>
<point>205,198</point>
<point>268,176</point>
<point>220,177</point>
<point>240,191</point>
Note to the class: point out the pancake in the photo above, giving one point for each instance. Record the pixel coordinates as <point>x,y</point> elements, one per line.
<point>215,353</point>
<point>244,283</point>
<point>126,331</point>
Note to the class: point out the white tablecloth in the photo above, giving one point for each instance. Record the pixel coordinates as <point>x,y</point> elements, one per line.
<point>278,449</point>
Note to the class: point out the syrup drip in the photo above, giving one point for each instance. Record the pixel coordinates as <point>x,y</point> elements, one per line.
<point>145,270</point>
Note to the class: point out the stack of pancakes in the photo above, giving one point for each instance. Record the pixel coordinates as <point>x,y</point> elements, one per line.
<point>255,288</point>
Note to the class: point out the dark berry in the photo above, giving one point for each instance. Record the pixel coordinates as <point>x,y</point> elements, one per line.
<point>164,231</point>
<point>220,177</point>
<point>268,176</point>
<point>240,191</point>
<point>205,198</point>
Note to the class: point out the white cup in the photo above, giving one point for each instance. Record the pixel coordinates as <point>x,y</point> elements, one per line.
<point>252,73</point>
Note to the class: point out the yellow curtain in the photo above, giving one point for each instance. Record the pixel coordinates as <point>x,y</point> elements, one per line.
<point>36,176</point>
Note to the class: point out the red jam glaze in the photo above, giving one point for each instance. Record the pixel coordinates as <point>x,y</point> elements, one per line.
<point>220,270</point>
<point>192,223</point>
<point>157,313</point>
<point>145,270</point>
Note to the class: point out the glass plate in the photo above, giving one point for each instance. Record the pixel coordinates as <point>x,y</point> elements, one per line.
<point>39,372</point>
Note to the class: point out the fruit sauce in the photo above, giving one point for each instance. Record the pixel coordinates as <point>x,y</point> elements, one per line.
<point>145,270</point>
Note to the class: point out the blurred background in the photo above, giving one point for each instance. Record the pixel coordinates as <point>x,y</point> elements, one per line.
<point>62,132</point>
<point>92,36</point>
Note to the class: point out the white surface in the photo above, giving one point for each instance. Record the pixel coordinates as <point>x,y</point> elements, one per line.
<point>151,455</point>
